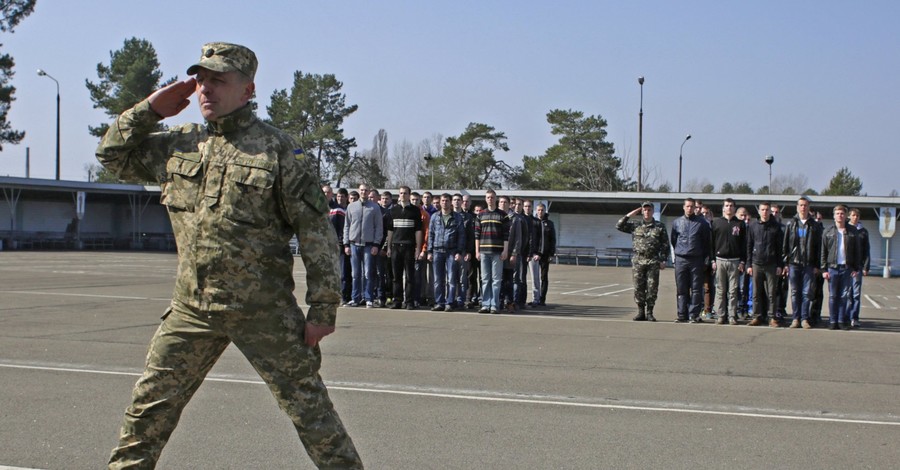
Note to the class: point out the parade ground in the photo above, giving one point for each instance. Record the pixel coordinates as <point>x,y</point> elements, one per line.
<point>573,385</point>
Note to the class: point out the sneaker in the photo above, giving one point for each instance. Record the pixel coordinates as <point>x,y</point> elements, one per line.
<point>795,324</point>
<point>437,308</point>
<point>732,321</point>
<point>376,303</point>
<point>448,308</point>
<point>352,303</point>
<point>410,306</point>
<point>650,317</point>
<point>757,321</point>
<point>846,326</point>
<point>395,305</point>
<point>721,321</point>
<point>370,304</point>
<point>774,323</point>
<point>484,310</point>
<point>854,323</point>
<point>495,311</point>
<point>696,319</point>
<point>681,320</point>
<point>805,324</point>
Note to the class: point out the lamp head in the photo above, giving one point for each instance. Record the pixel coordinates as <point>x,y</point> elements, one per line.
<point>770,159</point>
<point>41,72</point>
<point>640,80</point>
<point>688,137</point>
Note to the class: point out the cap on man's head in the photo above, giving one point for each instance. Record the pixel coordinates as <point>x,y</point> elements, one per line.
<point>647,203</point>
<point>225,57</point>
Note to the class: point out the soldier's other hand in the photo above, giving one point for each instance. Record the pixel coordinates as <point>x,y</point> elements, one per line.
<point>172,99</point>
<point>315,333</point>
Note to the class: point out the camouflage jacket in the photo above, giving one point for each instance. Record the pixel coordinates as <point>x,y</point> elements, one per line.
<point>651,242</point>
<point>235,195</point>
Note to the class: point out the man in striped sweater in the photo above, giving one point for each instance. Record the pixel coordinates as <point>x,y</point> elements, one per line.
<point>491,249</point>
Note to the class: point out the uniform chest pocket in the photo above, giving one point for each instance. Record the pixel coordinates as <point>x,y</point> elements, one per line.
<point>247,192</point>
<point>183,178</point>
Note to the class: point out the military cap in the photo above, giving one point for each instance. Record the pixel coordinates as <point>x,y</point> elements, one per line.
<point>225,57</point>
<point>647,203</point>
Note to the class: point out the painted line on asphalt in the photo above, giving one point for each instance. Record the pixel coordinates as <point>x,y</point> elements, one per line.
<point>589,288</point>
<point>64,294</point>
<point>611,293</point>
<point>874,303</point>
<point>521,398</point>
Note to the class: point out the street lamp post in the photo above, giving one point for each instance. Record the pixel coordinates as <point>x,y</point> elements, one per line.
<point>770,160</point>
<point>640,135</point>
<point>45,74</point>
<point>428,159</point>
<point>680,152</point>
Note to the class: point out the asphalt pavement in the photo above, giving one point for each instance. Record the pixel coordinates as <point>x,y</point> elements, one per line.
<point>574,385</point>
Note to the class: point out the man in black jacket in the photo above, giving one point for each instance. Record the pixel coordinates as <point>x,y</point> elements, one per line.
<point>729,240</point>
<point>856,292</point>
<point>840,257</point>
<point>690,237</point>
<point>764,244</point>
<point>802,241</point>
<point>543,247</point>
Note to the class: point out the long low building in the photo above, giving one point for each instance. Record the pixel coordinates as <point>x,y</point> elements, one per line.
<point>50,214</point>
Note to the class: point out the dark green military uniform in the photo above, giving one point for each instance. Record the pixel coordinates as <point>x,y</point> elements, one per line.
<point>235,195</point>
<point>651,247</point>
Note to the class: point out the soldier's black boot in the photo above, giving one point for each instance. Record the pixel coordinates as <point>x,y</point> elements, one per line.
<point>640,316</point>
<point>650,316</point>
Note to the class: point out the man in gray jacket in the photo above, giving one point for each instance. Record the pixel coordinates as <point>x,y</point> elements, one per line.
<point>363,231</point>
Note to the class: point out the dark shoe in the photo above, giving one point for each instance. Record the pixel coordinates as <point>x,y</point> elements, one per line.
<point>395,306</point>
<point>757,321</point>
<point>650,317</point>
<point>681,320</point>
<point>484,310</point>
<point>495,311</point>
<point>696,319</point>
<point>640,317</point>
<point>437,308</point>
<point>846,326</point>
<point>834,326</point>
<point>410,306</point>
<point>854,323</point>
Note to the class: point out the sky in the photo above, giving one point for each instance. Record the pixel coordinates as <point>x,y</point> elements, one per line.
<point>812,83</point>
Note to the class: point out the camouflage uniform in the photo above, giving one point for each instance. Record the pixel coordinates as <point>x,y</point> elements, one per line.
<point>235,195</point>
<point>651,247</point>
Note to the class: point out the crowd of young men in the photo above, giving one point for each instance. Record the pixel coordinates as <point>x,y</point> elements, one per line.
<point>719,261</point>
<point>444,252</point>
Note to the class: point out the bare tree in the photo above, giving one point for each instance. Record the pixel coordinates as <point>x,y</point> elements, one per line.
<point>403,166</point>
<point>651,174</point>
<point>789,184</point>
<point>379,151</point>
<point>694,185</point>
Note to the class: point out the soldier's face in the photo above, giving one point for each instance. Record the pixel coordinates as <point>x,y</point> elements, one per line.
<point>221,93</point>
<point>647,212</point>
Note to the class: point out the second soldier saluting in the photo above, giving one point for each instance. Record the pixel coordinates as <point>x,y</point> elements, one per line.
<point>651,249</point>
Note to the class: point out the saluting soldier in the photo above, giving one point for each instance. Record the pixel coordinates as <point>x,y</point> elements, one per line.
<point>651,249</point>
<point>235,194</point>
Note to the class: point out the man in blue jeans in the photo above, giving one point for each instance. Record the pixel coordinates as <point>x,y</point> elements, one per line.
<point>801,252</point>
<point>446,247</point>
<point>690,239</point>
<point>491,249</point>
<point>362,239</point>
<point>840,256</point>
<point>864,254</point>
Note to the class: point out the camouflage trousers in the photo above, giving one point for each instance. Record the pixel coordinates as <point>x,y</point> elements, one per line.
<point>646,281</point>
<point>184,349</point>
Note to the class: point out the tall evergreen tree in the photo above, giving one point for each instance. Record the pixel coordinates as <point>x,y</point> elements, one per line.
<point>843,183</point>
<point>11,13</point>
<point>132,75</point>
<point>469,161</point>
<point>582,160</point>
<point>313,114</point>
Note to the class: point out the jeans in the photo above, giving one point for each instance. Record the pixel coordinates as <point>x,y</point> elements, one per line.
<point>491,279</point>
<point>362,265</point>
<point>839,285</point>
<point>464,268</point>
<point>726,291</point>
<point>689,286</point>
<point>445,269</point>
<point>855,297</point>
<point>801,279</point>
<point>535,267</point>
<point>520,280</point>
